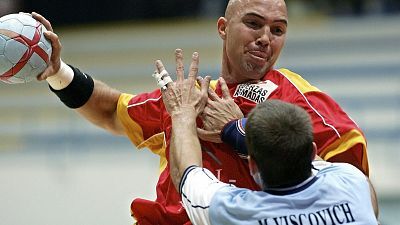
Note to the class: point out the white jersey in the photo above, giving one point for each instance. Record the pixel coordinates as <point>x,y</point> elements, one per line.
<point>337,193</point>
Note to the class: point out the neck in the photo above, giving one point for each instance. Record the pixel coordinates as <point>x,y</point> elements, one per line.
<point>293,183</point>
<point>231,77</point>
<point>292,189</point>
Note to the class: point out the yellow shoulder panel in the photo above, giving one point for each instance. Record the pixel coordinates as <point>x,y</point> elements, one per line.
<point>344,143</point>
<point>155,143</point>
<point>133,130</point>
<point>298,81</point>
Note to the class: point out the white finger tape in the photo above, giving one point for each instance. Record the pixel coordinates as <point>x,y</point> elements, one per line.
<point>164,73</point>
<point>157,76</point>
<point>162,79</point>
<point>167,80</point>
<point>161,83</point>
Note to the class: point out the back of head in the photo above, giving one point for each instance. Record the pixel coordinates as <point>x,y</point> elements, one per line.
<point>279,136</point>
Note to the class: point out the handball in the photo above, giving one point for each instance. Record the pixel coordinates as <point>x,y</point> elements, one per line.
<point>24,51</point>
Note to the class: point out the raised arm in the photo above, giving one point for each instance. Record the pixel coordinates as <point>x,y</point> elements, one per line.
<point>91,98</point>
<point>184,102</point>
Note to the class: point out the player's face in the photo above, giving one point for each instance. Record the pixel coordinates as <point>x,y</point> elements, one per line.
<point>255,34</point>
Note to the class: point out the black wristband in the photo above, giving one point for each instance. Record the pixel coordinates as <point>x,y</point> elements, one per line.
<point>78,92</point>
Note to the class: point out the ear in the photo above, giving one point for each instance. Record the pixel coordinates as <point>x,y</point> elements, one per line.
<point>314,152</point>
<point>252,165</point>
<point>221,25</point>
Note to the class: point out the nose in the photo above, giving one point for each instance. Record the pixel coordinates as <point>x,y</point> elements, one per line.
<point>264,38</point>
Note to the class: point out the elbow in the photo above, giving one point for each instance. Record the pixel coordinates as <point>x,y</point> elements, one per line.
<point>114,126</point>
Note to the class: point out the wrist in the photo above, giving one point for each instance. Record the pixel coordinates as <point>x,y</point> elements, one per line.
<point>234,135</point>
<point>184,112</point>
<point>77,91</point>
<point>185,116</point>
<point>62,78</point>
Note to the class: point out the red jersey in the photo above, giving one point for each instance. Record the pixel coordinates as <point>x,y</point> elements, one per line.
<point>148,124</point>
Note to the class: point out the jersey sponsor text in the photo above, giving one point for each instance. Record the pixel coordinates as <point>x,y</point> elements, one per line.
<point>257,93</point>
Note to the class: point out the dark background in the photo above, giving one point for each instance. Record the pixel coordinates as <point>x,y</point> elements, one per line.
<point>92,11</point>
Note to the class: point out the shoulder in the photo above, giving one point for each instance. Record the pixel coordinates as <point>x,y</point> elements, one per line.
<point>298,81</point>
<point>342,171</point>
<point>125,98</point>
<point>197,187</point>
<point>231,195</point>
<point>201,179</point>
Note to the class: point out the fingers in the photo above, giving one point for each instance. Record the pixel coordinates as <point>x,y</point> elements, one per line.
<point>44,75</point>
<point>211,136</point>
<point>194,67</point>
<point>159,66</point>
<point>55,58</point>
<point>224,87</point>
<point>42,20</point>
<point>55,45</point>
<point>212,95</point>
<point>180,73</point>
<point>49,34</point>
<point>205,86</point>
<point>161,75</point>
<point>163,79</point>
<point>225,90</point>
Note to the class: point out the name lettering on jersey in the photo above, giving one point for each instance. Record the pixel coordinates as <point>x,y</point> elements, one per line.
<point>257,93</point>
<point>336,214</point>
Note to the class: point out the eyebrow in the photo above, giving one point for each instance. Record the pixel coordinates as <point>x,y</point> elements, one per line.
<point>259,16</point>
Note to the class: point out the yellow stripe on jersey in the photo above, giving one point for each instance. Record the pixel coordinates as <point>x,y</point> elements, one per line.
<point>345,142</point>
<point>133,130</point>
<point>155,143</point>
<point>213,84</point>
<point>298,81</point>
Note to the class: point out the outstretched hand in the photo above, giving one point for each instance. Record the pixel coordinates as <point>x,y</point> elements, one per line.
<point>182,96</point>
<point>55,58</point>
<point>184,102</point>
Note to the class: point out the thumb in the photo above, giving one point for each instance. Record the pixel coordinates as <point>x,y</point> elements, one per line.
<point>210,136</point>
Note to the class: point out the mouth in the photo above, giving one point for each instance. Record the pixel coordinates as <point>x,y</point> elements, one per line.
<point>259,55</point>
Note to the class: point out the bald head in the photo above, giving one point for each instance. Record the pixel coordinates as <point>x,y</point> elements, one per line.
<point>234,6</point>
<point>253,34</point>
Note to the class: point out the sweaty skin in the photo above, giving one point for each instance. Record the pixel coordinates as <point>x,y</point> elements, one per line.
<point>253,34</point>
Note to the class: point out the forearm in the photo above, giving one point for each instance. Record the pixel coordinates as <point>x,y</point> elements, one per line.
<point>91,98</point>
<point>374,199</point>
<point>184,152</point>
<point>101,108</point>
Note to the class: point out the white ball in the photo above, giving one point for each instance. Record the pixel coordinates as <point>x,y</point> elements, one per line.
<point>24,51</point>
